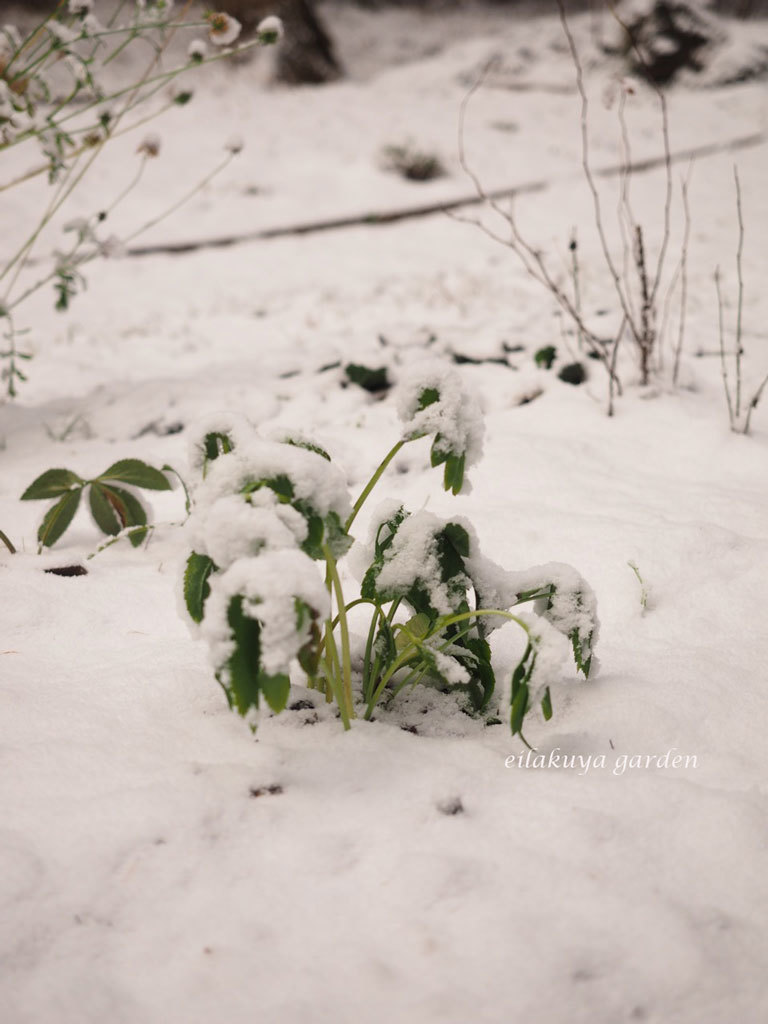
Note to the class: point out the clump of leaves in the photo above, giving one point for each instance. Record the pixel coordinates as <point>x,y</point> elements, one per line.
<point>412,164</point>
<point>545,357</point>
<point>573,373</point>
<point>369,378</point>
<point>113,504</point>
<point>253,587</point>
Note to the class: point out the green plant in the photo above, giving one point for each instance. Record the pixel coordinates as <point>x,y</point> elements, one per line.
<point>267,511</point>
<point>113,504</point>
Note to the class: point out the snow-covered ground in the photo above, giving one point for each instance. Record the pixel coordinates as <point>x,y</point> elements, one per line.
<point>158,862</point>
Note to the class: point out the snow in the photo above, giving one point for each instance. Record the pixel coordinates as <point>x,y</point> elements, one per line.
<point>270,586</point>
<point>158,861</point>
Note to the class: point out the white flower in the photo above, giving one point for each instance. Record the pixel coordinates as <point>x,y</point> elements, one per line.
<point>197,49</point>
<point>224,29</point>
<point>270,29</point>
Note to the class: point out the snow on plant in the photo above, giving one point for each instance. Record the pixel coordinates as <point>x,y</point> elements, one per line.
<point>114,505</point>
<point>271,520</point>
<point>59,90</point>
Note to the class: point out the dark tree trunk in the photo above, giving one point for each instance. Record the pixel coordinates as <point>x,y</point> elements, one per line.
<point>306,53</point>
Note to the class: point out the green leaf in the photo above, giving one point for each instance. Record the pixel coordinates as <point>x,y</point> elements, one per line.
<point>51,484</point>
<point>518,709</point>
<point>138,473</point>
<point>216,444</point>
<point>243,666</point>
<point>520,693</point>
<point>310,446</point>
<point>128,506</point>
<point>385,535</point>
<point>58,518</point>
<point>483,677</point>
<point>427,397</point>
<point>103,511</point>
<point>275,689</point>
<point>453,477</point>
<point>544,357</point>
<point>546,705</point>
<point>369,379</point>
<point>196,586</point>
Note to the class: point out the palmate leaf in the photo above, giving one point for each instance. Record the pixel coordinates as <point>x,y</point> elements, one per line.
<point>196,586</point>
<point>138,473</point>
<point>52,484</point>
<point>58,518</point>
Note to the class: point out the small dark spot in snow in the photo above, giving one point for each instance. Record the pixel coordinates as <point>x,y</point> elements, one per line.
<point>67,570</point>
<point>301,705</point>
<point>611,743</point>
<point>582,974</point>
<point>288,374</point>
<point>329,366</point>
<point>273,790</point>
<point>207,950</point>
<point>451,807</point>
<point>512,348</point>
<point>639,1013</point>
<point>410,728</point>
<point>160,841</point>
<point>530,396</point>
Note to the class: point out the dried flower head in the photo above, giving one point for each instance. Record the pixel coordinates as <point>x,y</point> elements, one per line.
<point>270,29</point>
<point>223,28</point>
<point>197,50</point>
<point>149,146</point>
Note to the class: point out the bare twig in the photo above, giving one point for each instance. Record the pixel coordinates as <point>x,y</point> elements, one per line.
<point>683,285</point>
<point>723,363</point>
<point>740,276</point>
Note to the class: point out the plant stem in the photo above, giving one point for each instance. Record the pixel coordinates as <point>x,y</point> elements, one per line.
<point>346,669</point>
<point>375,479</point>
<point>7,543</point>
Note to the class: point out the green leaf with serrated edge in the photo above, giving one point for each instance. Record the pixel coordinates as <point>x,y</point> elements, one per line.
<point>196,586</point>
<point>58,518</point>
<point>243,667</point>
<point>51,484</point>
<point>546,705</point>
<point>275,689</point>
<point>103,511</point>
<point>138,473</point>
